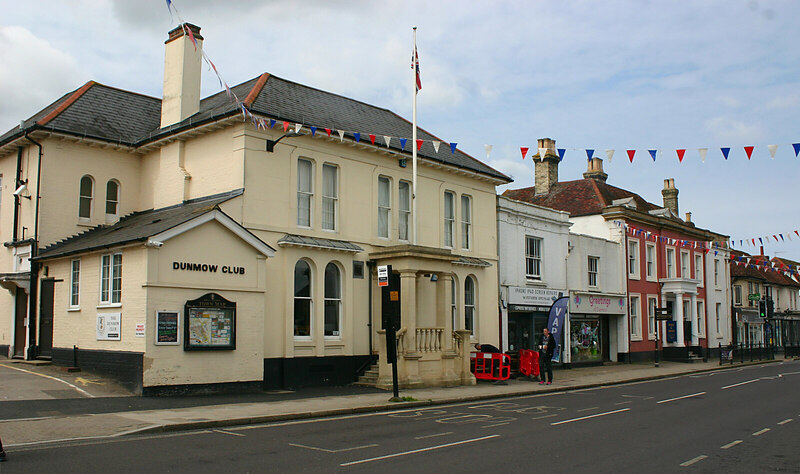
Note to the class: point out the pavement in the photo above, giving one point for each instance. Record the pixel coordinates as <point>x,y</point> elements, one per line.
<point>78,406</point>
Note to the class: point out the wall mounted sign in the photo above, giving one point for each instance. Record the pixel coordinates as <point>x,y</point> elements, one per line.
<point>208,268</point>
<point>596,303</point>
<point>210,324</point>
<point>109,326</point>
<point>533,296</point>
<point>167,323</point>
<point>139,330</point>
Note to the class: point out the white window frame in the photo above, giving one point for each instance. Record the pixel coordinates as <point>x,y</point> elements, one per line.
<point>75,284</point>
<point>651,266</point>
<point>449,230</point>
<point>404,211</point>
<point>635,313</point>
<point>634,259</point>
<point>698,269</point>
<point>470,308</point>
<point>107,292</point>
<point>737,295</point>
<point>305,194</point>
<point>336,300</point>
<point>686,265</point>
<point>533,259</point>
<point>652,304</point>
<point>701,318</point>
<point>112,217</point>
<point>718,314</point>
<point>593,271</point>
<point>670,262</point>
<point>309,298</point>
<point>716,273</point>
<point>89,198</point>
<point>330,198</point>
<point>385,208</point>
<point>466,222</point>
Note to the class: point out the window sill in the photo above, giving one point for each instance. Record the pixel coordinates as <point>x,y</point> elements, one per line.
<point>82,223</point>
<point>636,339</point>
<point>634,277</point>
<point>109,305</point>
<point>73,309</point>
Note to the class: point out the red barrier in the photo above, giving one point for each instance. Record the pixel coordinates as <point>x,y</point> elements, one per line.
<point>528,363</point>
<point>490,366</point>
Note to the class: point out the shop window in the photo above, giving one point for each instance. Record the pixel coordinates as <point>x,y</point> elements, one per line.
<point>330,196</point>
<point>111,279</point>
<point>466,222</point>
<point>384,206</point>
<point>86,198</point>
<point>302,300</point>
<point>333,301</point>
<point>593,264</point>
<point>469,304</point>
<point>449,218</point>
<point>112,200</point>
<point>305,192</point>
<point>75,283</point>
<point>533,258</point>
<point>404,212</point>
<point>585,340</point>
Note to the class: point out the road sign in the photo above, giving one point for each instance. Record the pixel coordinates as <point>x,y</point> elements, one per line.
<point>754,297</point>
<point>663,314</point>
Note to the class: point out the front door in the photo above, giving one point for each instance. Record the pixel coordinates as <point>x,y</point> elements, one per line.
<point>46,318</point>
<point>20,313</point>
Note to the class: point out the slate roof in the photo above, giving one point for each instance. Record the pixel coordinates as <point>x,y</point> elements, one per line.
<point>123,117</point>
<point>742,270</point>
<point>581,197</point>
<point>136,227</point>
<point>303,241</point>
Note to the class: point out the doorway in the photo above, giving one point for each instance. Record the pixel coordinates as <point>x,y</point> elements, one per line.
<point>46,318</point>
<point>20,313</point>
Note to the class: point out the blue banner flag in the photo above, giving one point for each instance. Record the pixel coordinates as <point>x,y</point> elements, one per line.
<point>555,323</point>
<point>589,153</point>
<point>796,147</point>
<point>403,143</point>
<point>453,147</point>
<point>725,152</point>
<point>313,131</point>
<point>357,136</point>
<point>653,154</point>
<point>561,152</point>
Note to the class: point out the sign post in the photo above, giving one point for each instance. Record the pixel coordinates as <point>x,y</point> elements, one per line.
<point>662,314</point>
<point>390,318</point>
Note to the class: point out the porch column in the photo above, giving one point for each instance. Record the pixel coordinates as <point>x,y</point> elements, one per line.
<point>663,323</point>
<point>695,317</point>
<point>678,318</point>
<point>408,309</point>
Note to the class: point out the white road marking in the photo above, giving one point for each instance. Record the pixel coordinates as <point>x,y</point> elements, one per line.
<point>731,444</point>
<point>587,409</point>
<point>694,460</point>
<point>50,377</point>
<point>637,396</point>
<point>333,450</point>
<point>544,416</point>
<point>589,416</point>
<point>760,432</point>
<point>740,383</point>
<point>389,456</point>
<point>496,424</point>
<point>434,435</point>
<point>227,433</point>
<point>681,398</point>
<point>785,421</point>
<point>623,403</point>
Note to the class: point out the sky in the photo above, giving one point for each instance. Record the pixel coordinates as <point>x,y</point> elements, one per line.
<point>633,74</point>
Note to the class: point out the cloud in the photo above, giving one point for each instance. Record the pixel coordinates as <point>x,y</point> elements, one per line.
<point>732,131</point>
<point>34,74</point>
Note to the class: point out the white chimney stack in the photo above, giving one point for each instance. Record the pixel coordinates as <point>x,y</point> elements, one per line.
<point>182,66</point>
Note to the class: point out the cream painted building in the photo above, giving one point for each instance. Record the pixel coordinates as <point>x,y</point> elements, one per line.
<point>177,245</point>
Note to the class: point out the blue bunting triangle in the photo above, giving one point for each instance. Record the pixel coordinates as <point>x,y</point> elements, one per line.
<point>796,147</point>
<point>725,152</point>
<point>453,147</point>
<point>313,131</point>
<point>357,136</point>
<point>561,152</point>
<point>653,154</point>
<point>403,143</point>
<point>589,153</point>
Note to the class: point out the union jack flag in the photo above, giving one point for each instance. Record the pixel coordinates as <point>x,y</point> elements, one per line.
<point>415,66</point>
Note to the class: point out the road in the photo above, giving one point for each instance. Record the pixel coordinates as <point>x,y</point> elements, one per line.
<point>738,420</point>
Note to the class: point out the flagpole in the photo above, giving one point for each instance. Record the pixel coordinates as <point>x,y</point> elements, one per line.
<point>414,142</point>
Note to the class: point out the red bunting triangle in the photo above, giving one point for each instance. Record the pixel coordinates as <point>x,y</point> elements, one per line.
<point>749,151</point>
<point>328,131</point>
<point>285,126</point>
<point>372,138</point>
<point>524,151</point>
<point>681,152</point>
<point>630,154</point>
<point>419,144</point>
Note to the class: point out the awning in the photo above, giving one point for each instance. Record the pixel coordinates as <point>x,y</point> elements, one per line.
<point>314,242</point>
<point>473,262</point>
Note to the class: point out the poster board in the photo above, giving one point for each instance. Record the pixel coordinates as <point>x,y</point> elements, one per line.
<point>109,326</point>
<point>168,328</point>
<point>210,324</point>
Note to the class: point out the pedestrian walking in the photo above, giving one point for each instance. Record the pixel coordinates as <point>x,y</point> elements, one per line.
<point>546,349</point>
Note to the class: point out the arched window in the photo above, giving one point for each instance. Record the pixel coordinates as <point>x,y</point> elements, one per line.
<point>302,300</point>
<point>112,199</point>
<point>469,304</point>
<point>86,197</point>
<point>333,301</point>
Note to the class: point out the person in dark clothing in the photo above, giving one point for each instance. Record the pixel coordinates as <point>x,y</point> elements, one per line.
<point>546,349</point>
<point>2,453</point>
<point>487,348</point>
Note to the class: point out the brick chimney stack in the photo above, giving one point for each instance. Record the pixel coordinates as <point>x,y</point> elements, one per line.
<point>182,67</point>
<point>545,167</point>
<point>595,170</point>
<point>670,195</point>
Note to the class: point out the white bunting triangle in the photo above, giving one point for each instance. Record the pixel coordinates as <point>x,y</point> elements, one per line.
<point>388,140</point>
<point>542,152</point>
<point>772,149</point>
<point>610,154</point>
<point>341,135</point>
<point>298,127</point>
<point>703,152</point>
<point>488,150</point>
<point>436,145</point>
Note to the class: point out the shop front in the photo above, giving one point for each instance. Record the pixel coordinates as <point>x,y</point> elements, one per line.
<point>528,310</point>
<point>593,327</point>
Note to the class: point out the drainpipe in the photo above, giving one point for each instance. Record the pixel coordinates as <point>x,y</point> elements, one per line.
<point>17,183</point>
<point>34,293</point>
<point>370,266</point>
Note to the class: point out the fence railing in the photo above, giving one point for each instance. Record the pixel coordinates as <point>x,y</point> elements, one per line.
<point>745,353</point>
<point>429,339</point>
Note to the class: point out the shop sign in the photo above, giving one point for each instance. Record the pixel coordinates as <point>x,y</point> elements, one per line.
<point>589,303</point>
<point>210,323</point>
<point>108,326</point>
<point>208,268</point>
<point>523,307</point>
<point>533,296</point>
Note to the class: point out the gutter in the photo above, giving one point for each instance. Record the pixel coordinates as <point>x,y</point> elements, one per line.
<point>34,290</point>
